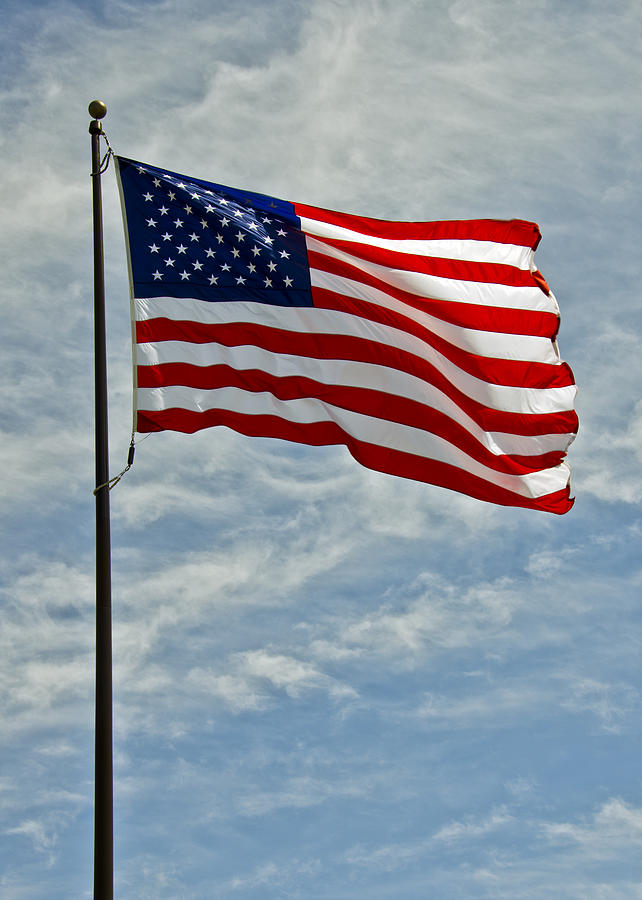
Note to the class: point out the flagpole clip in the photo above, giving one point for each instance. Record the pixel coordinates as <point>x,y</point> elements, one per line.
<point>114,481</point>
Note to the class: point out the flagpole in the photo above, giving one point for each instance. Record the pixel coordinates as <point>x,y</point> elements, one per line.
<point>103,773</point>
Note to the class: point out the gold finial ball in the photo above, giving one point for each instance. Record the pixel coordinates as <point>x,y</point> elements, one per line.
<point>97,109</point>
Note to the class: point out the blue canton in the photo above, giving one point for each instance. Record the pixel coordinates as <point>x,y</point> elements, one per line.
<point>191,238</point>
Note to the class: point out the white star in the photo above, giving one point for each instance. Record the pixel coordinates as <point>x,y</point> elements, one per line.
<point>240,236</point>
<point>184,276</point>
<point>141,170</point>
<point>194,237</point>
<point>178,223</point>
<point>288,281</point>
<point>188,209</point>
<point>180,184</point>
<point>167,236</point>
<point>236,252</point>
<point>240,280</point>
<point>157,182</point>
<point>222,201</point>
<point>269,241</point>
<point>225,221</point>
<point>213,279</point>
<point>171,195</point>
<point>209,193</point>
<point>150,223</point>
<point>153,248</point>
<point>209,208</point>
<point>284,255</point>
<point>220,238</point>
<point>163,210</point>
<point>157,275</point>
<point>181,248</point>
<point>169,262</point>
<point>252,226</point>
<point>267,221</point>
<point>197,266</point>
<point>148,196</point>
<point>252,267</point>
<point>203,223</point>
<point>271,266</point>
<point>225,267</point>
<point>281,233</point>
<point>268,282</point>
<point>238,213</point>
<point>194,196</point>
<point>256,250</point>
<point>210,252</point>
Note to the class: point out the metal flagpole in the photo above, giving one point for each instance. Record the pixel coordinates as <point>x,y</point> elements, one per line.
<point>103,774</point>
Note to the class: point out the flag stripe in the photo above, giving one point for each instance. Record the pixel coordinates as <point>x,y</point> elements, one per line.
<point>366,400</point>
<point>405,465</point>
<point>395,437</point>
<point>510,231</point>
<point>319,333</point>
<point>459,290</point>
<point>337,292</point>
<point>492,369</point>
<point>467,315</point>
<point>454,269</point>
<point>474,250</point>
<point>562,422</point>
<point>346,373</point>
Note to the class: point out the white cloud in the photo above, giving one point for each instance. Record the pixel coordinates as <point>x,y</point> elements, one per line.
<point>46,645</point>
<point>548,563</point>
<point>299,792</point>
<point>43,841</point>
<point>252,676</point>
<point>612,704</point>
<point>290,675</point>
<point>614,829</point>
<point>277,876</point>
<point>471,829</point>
<point>433,614</point>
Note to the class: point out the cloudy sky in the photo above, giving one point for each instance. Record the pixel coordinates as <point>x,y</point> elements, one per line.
<point>330,684</point>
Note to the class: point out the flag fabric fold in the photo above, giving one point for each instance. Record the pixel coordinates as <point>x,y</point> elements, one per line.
<point>427,348</point>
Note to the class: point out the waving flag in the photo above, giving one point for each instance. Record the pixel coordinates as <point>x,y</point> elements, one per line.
<point>427,348</point>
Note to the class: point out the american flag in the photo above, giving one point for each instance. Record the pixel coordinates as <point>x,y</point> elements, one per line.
<point>427,348</point>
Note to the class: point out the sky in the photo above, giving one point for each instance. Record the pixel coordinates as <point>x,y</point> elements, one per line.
<point>329,683</point>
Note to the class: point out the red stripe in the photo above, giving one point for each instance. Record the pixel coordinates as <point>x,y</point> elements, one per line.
<point>392,462</point>
<point>367,401</point>
<point>456,269</point>
<point>467,315</point>
<point>321,346</point>
<point>510,231</point>
<point>512,372</point>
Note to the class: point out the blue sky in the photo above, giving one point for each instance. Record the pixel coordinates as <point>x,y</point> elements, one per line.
<point>329,683</point>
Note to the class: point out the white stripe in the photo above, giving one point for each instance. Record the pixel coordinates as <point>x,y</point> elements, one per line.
<point>423,285</point>
<point>346,374</point>
<point>471,250</point>
<point>309,320</point>
<point>363,428</point>
<point>492,344</point>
